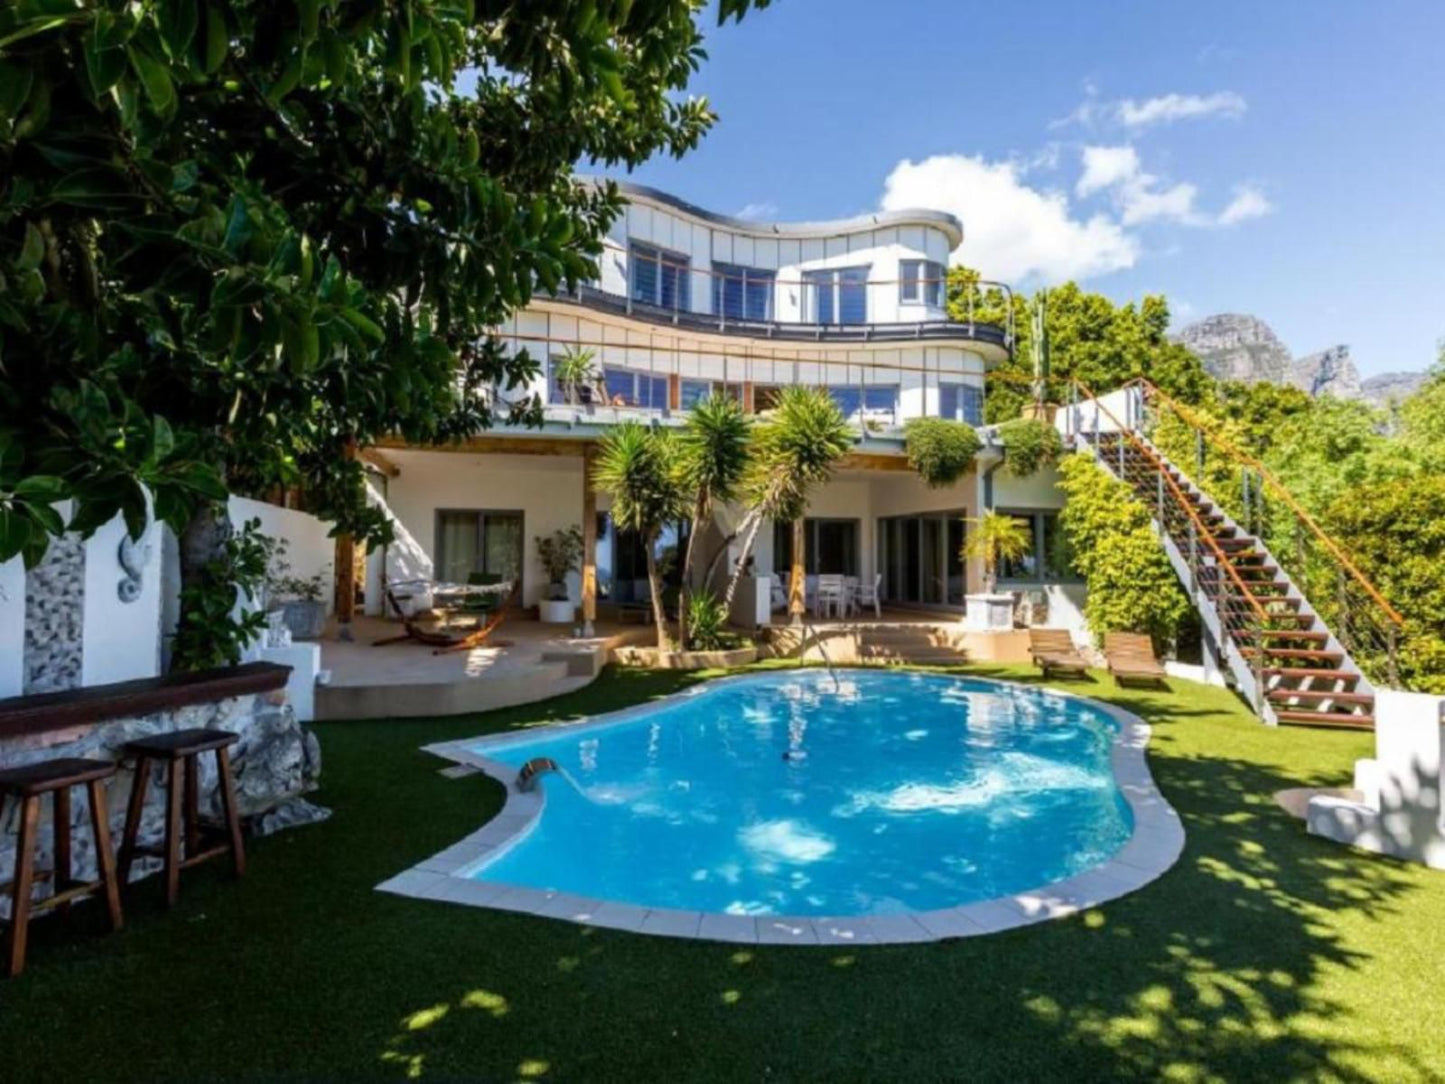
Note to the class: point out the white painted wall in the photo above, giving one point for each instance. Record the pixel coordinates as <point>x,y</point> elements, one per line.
<point>12,627</point>
<point>122,639</point>
<point>310,548</point>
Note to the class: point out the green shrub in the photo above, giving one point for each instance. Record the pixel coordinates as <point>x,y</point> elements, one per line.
<point>940,450</point>
<point>707,623</point>
<point>1131,585</point>
<point>1029,443</point>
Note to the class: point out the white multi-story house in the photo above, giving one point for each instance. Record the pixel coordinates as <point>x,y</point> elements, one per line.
<point>690,303</point>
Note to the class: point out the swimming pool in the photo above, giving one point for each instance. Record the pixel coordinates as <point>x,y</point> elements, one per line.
<point>884,795</point>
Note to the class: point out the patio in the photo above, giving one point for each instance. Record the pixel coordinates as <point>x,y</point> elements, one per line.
<point>526,662</point>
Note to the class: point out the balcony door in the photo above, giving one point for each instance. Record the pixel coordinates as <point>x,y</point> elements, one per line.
<point>921,559</point>
<point>478,542</point>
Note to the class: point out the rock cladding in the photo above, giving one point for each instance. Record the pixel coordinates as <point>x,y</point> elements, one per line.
<point>276,761</point>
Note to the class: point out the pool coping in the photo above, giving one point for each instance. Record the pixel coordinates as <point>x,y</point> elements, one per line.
<point>1153,847</point>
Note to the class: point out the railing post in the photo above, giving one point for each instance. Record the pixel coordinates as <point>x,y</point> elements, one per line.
<point>1122,478</point>
<point>1343,600</point>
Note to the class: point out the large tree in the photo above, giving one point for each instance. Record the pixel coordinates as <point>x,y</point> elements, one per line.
<point>241,237</point>
<point>1090,339</point>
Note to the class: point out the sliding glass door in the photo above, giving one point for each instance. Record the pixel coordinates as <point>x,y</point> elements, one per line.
<point>478,542</point>
<point>921,559</point>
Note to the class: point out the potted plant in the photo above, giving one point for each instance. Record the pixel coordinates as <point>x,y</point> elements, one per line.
<point>990,538</point>
<point>560,553</point>
<point>301,600</point>
<point>575,373</point>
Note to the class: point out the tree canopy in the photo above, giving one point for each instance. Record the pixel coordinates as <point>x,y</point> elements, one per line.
<point>238,237</point>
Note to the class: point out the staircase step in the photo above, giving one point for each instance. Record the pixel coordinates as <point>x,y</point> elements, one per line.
<point>1327,718</point>
<point>1347,678</point>
<point>1334,657</point>
<point>1316,635</point>
<point>1285,695</point>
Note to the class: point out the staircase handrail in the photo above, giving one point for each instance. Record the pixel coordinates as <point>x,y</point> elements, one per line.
<point>1200,531</point>
<point>1229,448</point>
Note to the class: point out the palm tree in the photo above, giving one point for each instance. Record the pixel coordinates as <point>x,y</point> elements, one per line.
<point>995,537</point>
<point>714,455</point>
<point>794,450</point>
<point>638,468</point>
<point>572,370</point>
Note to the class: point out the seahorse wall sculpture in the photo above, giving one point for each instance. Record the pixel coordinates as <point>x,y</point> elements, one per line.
<point>134,555</point>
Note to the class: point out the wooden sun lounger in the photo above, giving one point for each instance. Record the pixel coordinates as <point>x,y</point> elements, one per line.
<point>1054,650</point>
<point>1131,657</point>
<point>441,642</point>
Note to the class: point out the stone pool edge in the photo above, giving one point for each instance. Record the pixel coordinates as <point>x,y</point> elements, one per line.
<point>1154,846</point>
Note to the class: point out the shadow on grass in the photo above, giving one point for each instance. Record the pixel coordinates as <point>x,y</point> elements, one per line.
<point>1262,954</point>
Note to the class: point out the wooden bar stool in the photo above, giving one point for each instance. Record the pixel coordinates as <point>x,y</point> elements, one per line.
<point>28,785</point>
<point>179,750</point>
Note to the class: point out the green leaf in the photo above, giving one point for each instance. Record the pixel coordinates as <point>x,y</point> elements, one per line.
<point>178,21</point>
<point>238,226</point>
<point>97,186</point>
<point>310,18</point>
<point>155,79</point>
<point>363,324</point>
<point>217,39</point>
<point>46,520</point>
<point>14,533</point>
<point>163,441</point>
<point>32,251</point>
<point>41,487</point>
<point>104,62</point>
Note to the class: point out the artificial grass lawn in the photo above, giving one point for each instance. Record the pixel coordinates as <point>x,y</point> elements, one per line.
<point>1263,953</point>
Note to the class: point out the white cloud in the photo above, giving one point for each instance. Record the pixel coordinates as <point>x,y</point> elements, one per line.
<point>1013,232</point>
<point>1136,194</point>
<point>763,209</point>
<point>1249,202</point>
<point>1168,108</point>
<point>1104,167</point>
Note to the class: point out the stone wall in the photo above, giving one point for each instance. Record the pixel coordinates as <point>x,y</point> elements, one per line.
<point>55,617</point>
<point>275,762</point>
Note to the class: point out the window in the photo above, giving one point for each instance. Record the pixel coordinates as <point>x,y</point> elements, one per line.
<point>1048,560</point>
<point>692,392</point>
<point>961,402</point>
<point>836,296</point>
<point>742,293</point>
<point>477,542</point>
<point>921,280</point>
<point>629,563</point>
<point>870,401</point>
<point>830,547</point>
<point>630,388</point>
<point>660,278</point>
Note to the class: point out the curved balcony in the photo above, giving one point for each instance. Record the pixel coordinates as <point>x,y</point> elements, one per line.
<point>840,331</point>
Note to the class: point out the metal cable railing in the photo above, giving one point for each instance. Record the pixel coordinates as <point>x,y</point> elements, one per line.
<point>1365,623</point>
<point>1214,578</point>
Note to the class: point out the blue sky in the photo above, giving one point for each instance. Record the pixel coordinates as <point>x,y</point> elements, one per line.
<point>1283,159</point>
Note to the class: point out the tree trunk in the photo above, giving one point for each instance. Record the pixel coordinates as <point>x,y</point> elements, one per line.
<point>202,541</point>
<point>797,578</point>
<point>700,511</point>
<point>754,521</point>
<point>654,585</point>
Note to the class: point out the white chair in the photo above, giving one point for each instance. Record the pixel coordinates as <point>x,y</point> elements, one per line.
<point>778,593</point>
<point>868,595</point>
<point>850,595</point>
<point>830,595</point>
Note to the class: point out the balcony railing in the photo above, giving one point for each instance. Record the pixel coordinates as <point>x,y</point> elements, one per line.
<point>747,305</point>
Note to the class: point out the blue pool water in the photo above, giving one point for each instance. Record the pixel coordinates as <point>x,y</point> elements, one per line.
<point>781,794</point>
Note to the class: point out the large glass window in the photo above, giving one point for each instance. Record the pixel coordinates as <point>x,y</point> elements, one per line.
<point>921,558</point>
<point>1049,559</point>
<point>830,546</point>
<point>660,277</point>
<point>629,563</point>
<point>742,293</point>
<point>478,542</point>
<point>691,392</point>
<point>836,296</point>
<point>870,402</point>
<point>961,402</point>
<point>921,281</point>
<point>633,388</point>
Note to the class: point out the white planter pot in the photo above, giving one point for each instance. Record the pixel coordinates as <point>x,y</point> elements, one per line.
<point>989,613</point>
<point>556,612</point>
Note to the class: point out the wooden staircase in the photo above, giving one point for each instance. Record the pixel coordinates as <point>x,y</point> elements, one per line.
<point>1282,655</point>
